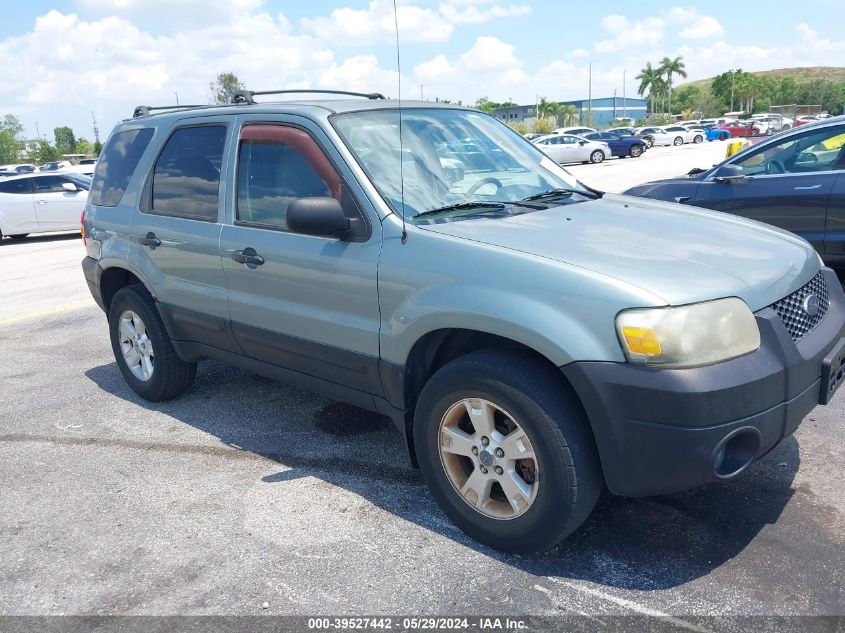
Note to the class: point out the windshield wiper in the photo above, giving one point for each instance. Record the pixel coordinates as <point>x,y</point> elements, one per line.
<point>560,193</point>
<point>490,206</point>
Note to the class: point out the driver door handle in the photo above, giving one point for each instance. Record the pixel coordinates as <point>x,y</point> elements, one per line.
<point>253,258</point>
<point>807,188</point>
<point>150,240</point>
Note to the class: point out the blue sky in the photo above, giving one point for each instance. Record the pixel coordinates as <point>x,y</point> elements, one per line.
<point>63,60</point>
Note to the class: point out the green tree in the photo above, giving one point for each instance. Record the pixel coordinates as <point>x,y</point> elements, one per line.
<point>224,88</point>
<point>568,114</point>
<point>669,68</point>
<point>686,98</point>
<point>42,153</point>
<point>65,140</point>
<point>648,77</point>
<point>83,146</point>
<point>98,147</point>
<point>10,130</point>
<point>542,126</point>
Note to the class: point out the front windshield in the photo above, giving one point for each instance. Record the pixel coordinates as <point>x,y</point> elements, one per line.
<point>449,157</point>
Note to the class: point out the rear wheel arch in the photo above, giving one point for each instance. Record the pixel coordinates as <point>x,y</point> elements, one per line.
<point>113,279</point>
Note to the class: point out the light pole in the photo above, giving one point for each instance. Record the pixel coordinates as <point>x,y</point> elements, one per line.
<point>177,98</point>
<point>421,93</point>
<point>624,103</point>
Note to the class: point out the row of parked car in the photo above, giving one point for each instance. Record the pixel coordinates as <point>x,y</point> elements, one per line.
<point>588,145</point>
<point>84,167</point>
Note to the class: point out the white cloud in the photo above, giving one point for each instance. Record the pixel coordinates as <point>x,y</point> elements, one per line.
<point>580,53</point>
<point>377,22</point>
<point>630,35</point>
<point>472,14</point>
<point>705,27</point>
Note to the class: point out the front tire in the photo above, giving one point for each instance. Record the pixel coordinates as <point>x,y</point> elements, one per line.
<point>597,156</point>
<point>506,450</point>
<point>723,136</point>
<point>678,141</point>
<point>142,347</point>
<point>636,151</point>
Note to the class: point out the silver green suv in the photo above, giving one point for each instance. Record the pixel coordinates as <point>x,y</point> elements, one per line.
<point>533,339</point>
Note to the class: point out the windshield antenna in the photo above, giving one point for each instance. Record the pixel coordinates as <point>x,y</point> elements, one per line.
<point>401,147</point>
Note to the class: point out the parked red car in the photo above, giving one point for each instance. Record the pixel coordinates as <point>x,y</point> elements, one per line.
<point>741,128</point>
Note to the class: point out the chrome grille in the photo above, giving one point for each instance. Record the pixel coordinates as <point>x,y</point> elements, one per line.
<point>791,309</point>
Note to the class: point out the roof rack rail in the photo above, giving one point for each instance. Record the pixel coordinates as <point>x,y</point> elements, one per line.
<point>247,96</point>
<point>143,110</point>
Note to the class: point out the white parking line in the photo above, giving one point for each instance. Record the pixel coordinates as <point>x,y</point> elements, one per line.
<point>632,606</point>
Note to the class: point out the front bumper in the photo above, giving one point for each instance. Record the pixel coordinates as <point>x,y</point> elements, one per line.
<point>664,430</point>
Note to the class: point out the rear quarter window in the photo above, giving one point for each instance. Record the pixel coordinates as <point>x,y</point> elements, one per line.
<point>116,165</point>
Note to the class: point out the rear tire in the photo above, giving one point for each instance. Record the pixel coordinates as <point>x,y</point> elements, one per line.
<point>698,139</point>
<point>169,376</point>
<point>597,156</point>
<point>723,136</point>
<point>510,392</point>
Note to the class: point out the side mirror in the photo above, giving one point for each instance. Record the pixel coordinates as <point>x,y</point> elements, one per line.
<point>323,217</point>
<point>730,173</point>
<point>69,186</point>
<point>582,142</point>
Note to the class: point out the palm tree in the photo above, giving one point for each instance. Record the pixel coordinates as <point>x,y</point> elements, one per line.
<point>669,68</point>
<point>568,113</point>
<point>647,78</point>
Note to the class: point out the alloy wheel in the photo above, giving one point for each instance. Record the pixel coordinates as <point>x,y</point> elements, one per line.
<point>136,346</point>
<point>488,458</point>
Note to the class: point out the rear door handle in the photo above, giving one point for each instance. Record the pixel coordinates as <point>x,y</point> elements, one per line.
<point>681,199</point>
<point>150,240</point>
<point>41,201</point>
<point>807,188</point>
<point>247,256</point>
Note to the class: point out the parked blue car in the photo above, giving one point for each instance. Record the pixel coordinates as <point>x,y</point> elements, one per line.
<point>713,133</point>
<point>620,146</point>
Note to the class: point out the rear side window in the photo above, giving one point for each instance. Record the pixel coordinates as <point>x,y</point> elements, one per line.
<point>186,177</point>
<point>20,185</point>
<point>116,164</point>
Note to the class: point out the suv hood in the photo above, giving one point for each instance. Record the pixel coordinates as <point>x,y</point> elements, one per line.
<point>679,253</point>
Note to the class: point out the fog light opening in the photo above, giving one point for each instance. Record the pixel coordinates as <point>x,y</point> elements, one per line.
<point>735,452</point>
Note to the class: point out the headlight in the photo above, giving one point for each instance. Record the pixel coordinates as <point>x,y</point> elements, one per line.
<point>688,336</point>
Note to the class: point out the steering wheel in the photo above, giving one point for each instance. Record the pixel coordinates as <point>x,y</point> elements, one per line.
<point>775,167</point>
<point>484,181</point>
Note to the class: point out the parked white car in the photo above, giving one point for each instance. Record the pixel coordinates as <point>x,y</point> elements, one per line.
<point>40,203</point>
<point>576,130</point>
<point>772,123</point>
<point>568,148</point>
<point>20,168</point>
<point>677,135</point>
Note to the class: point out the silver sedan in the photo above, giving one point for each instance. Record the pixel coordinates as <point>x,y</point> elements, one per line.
<point>568,148</point>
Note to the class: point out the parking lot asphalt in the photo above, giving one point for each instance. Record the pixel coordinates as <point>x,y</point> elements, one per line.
<point>248,497</point>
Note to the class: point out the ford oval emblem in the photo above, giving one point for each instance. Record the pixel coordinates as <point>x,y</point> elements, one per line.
<point>811,304</point>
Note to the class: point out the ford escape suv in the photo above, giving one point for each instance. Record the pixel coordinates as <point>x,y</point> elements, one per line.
<point>532,338</point>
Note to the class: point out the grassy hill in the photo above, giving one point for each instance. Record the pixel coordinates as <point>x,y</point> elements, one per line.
<point>800,75</point>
